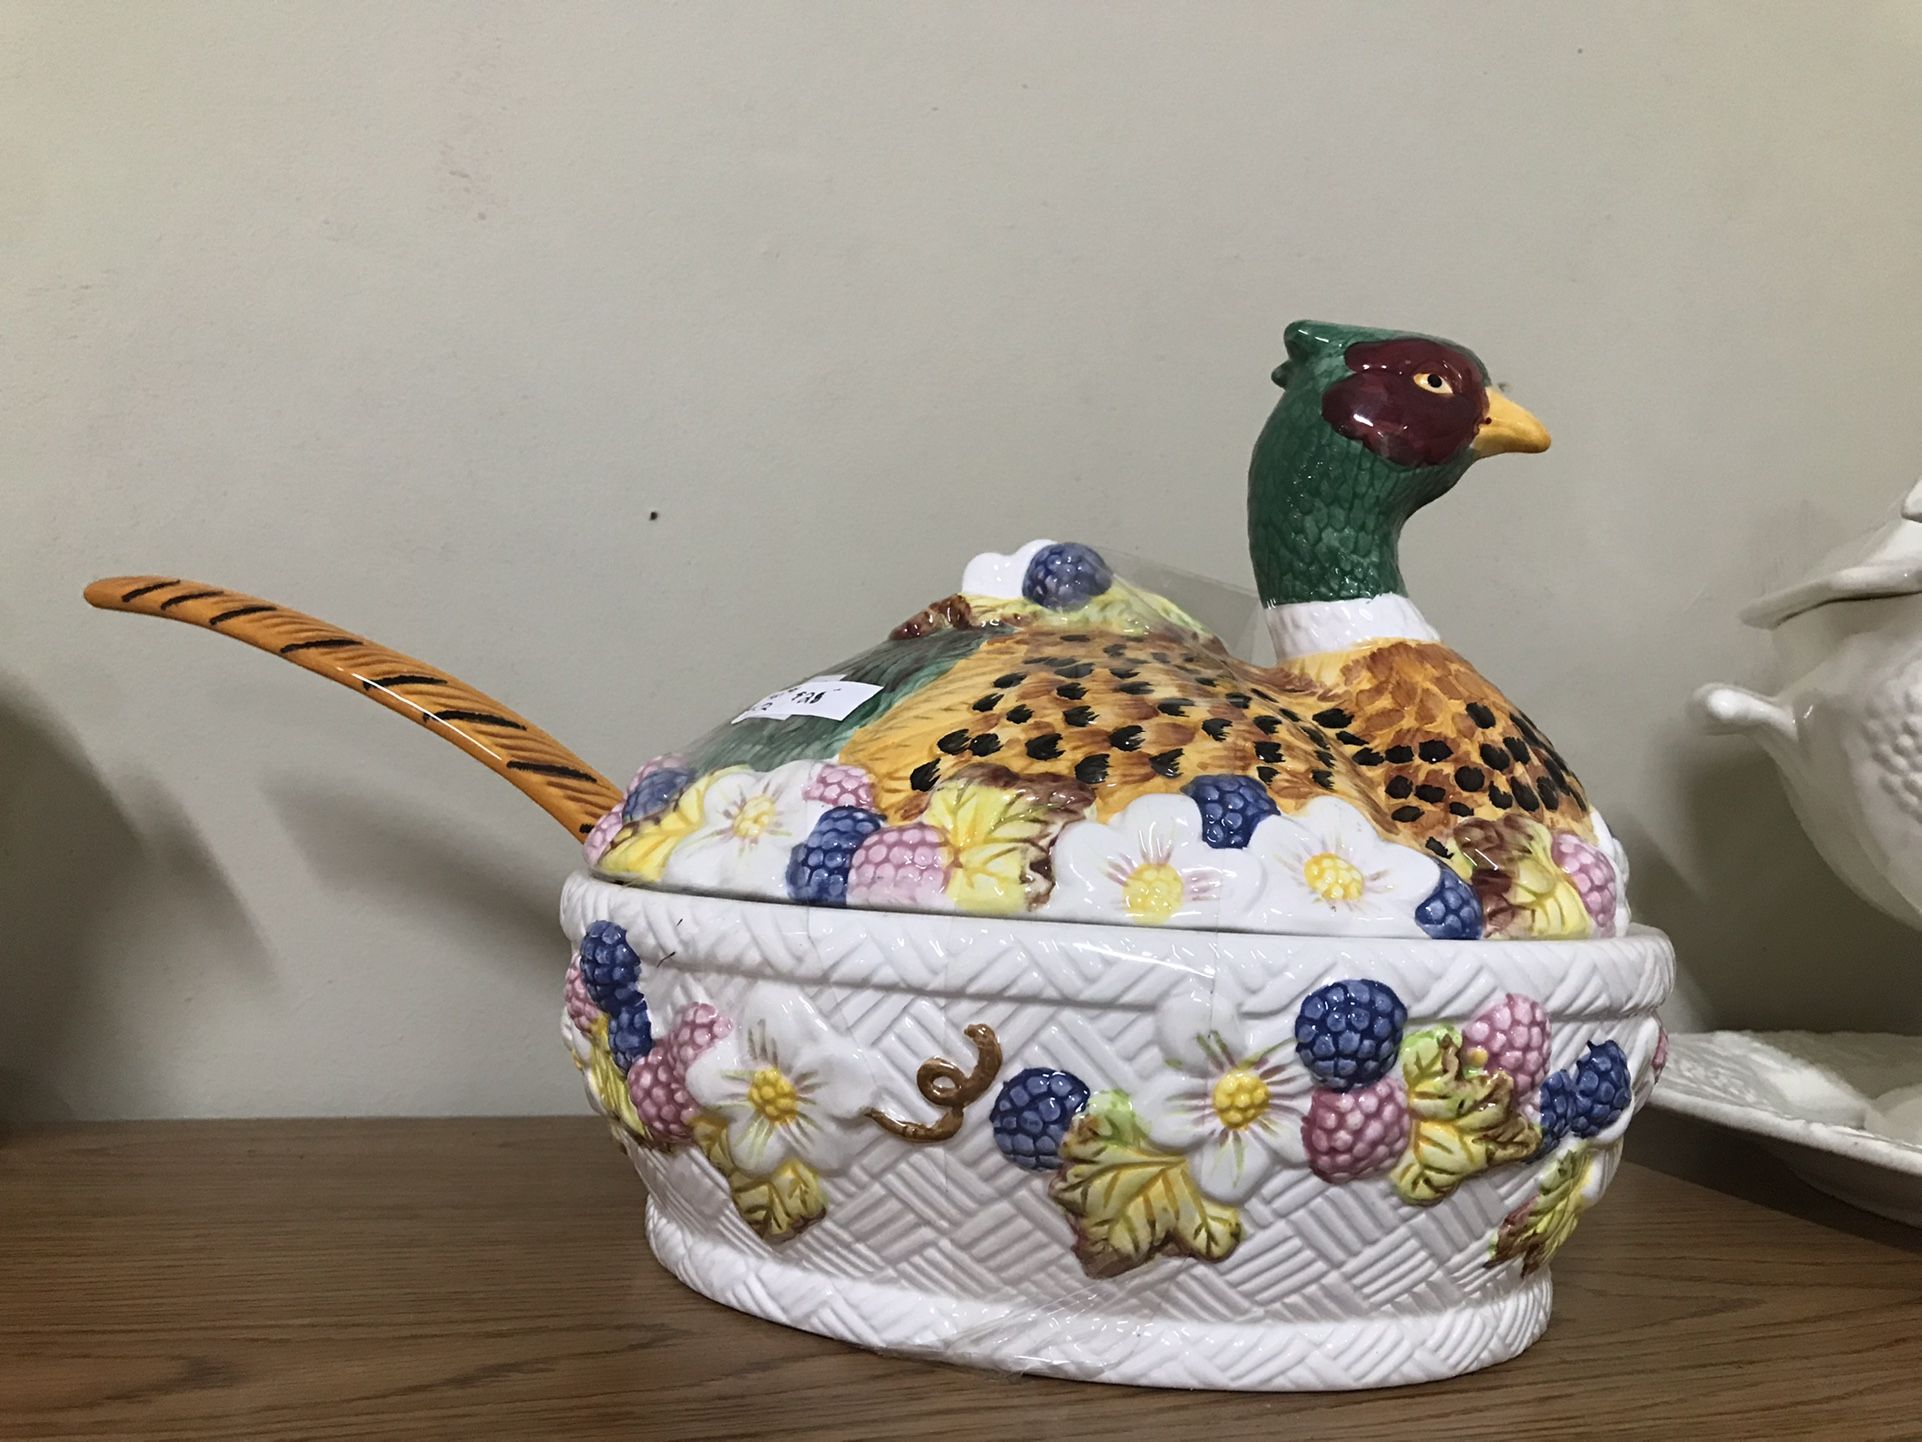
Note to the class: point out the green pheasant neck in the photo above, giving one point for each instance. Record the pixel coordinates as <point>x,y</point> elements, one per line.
<point>1325,515</point>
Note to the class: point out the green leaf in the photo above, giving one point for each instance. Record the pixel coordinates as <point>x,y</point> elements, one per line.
<point>1536,1230</point>
<point>610,1089</point>
<point>1130,1201</point>
<point>1463,1120</point>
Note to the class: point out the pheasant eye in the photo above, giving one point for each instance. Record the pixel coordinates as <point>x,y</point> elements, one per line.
<point>1431,381</point>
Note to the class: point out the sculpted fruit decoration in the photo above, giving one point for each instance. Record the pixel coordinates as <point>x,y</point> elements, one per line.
<point>779,1102</point>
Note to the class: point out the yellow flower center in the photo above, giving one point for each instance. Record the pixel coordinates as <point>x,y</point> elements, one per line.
<point>1333,878</point>
<point>1240,1098</point>
<point>771,1094</point>
<point>754,817</point>
<point>1152,891</point>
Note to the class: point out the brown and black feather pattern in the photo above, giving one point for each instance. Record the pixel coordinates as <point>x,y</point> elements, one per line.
<point>1409,733</point>
<point>557,780</point>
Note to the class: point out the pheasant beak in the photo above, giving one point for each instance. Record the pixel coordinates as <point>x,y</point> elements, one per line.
<point>1507,427</point>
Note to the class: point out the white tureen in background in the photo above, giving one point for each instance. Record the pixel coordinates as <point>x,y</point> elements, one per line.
<point>1845,731</point>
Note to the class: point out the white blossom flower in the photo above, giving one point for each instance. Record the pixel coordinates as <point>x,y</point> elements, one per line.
<point>1233,1108</point>
<point>787,1085</point>
<point>1151,866</point>
<point>1327,870</point>
<point>750,823</point>
<point>998,577</point>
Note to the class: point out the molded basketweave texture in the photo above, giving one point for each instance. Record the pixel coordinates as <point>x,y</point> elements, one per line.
<point>948,1250</point>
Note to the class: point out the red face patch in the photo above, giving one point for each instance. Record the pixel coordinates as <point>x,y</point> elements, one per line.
<point>1413,402</point>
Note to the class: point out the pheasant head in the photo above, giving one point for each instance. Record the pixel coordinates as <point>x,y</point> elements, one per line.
<point>1372,425</point>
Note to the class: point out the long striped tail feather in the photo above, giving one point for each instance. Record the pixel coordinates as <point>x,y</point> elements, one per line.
<point>554,778</point>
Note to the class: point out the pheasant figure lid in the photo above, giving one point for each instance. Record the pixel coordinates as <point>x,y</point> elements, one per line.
<point>1055,742</point>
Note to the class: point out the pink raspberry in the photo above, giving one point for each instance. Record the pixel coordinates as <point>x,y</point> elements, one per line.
<point>1510,1036</point>
<point>602,836</point>
<point>1650,1076</point>
<point>842,786</point>
<point>697,1029</point>
<point>904,866</point>
<point>657,1085</point>
<point>580,1006</point>
<point>1356,1133</point>
<point>1593,875</point>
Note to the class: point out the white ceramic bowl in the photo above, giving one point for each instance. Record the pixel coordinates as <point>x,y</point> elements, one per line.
<point>946,1248</point>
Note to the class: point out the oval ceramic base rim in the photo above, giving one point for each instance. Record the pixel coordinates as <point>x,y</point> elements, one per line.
<point>1085,1343</point>
<point>1096,964</point>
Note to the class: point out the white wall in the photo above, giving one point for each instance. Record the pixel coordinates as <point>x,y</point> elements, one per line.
<point>412,315</point>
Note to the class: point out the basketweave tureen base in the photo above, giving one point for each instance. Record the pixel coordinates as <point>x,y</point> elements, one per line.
<point>1081,1340</point>
<point>946,1250</point>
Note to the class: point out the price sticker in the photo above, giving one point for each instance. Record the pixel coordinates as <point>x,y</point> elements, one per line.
<point>831,697</point>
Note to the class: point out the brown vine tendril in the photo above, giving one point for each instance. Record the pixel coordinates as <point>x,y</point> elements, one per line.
<point>948,1087</point>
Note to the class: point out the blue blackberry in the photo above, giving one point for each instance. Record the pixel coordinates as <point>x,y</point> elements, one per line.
<point>630,1035</point>
<point>1066,575</point>
<point>1558,1109</point>
<point>655,792</point>
<point>1452,911</point>
<point>1588,1098</point>
<point>1348,1034</point>
<point>817,869</point>
<point>609,967</point>
<point>1601,1090</point>
<point>1033,1112</point>
<point>1231,808</point>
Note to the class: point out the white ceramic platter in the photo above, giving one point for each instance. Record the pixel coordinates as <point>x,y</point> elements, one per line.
<point>1811,1098</point>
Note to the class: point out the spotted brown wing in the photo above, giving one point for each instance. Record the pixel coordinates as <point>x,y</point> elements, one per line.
<point>1124,715</point>
<point>1441,744</point>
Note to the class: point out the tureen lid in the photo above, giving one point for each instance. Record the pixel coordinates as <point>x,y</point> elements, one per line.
<point>1055,741</point>
<point>1884,561</point>
<point>1098,755</point>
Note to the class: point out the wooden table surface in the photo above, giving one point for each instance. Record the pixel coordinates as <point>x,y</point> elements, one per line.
<point>487,1278</point>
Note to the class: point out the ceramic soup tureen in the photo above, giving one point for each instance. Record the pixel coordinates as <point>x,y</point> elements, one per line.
<point>1843,1109</point>
<point>1846,730</point>
<point>1047,989</point>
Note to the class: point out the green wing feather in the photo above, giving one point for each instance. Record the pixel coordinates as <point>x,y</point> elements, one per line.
<point>898,667</point>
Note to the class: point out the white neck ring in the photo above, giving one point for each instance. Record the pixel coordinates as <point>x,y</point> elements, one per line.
<point>1308,628</point>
